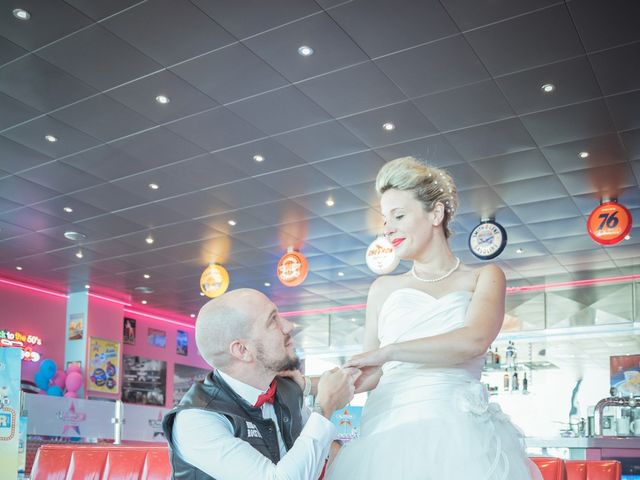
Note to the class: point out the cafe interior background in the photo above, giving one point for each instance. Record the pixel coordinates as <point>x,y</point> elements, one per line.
<point>144,141</point>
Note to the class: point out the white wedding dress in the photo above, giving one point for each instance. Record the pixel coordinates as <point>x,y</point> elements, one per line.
<point>431,423</point>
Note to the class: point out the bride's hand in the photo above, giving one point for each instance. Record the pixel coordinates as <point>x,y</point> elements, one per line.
<point>374,358</point>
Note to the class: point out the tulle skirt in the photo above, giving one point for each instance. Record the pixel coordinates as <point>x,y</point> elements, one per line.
<point>421,424</point>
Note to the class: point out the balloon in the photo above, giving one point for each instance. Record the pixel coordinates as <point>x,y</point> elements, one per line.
<point>41,381</point>
<point>54,390</point>
<point>74,367</point>
<point>73,382</point>
<point>71,395</point>
<point>48,368</point>
<point>59,378</point>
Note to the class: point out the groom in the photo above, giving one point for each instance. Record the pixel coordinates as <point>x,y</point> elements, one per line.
<point>243,421</point>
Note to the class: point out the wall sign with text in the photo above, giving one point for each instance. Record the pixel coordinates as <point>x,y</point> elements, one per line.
<point>609,223</point>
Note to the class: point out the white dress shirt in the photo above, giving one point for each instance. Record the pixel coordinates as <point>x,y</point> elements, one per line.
<point>205,440</point>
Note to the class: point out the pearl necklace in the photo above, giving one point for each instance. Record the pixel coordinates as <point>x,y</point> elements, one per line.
<point>433,280</point>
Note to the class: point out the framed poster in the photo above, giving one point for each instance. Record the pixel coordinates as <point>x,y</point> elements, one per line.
<point>157,338</point>
<point>129,331</point>
<point>625,374</point>
<point>182,343</point>
<point>183,377</point>
<point>144,381</point>
<point>103,364</point>
<point>76,326</point>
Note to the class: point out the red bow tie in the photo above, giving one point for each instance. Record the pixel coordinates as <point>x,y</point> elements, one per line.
<point>268,396</point>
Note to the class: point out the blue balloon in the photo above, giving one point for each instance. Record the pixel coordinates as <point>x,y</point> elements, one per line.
<point>41,381</point>
<point>48,368</point>
<point>54,390</point>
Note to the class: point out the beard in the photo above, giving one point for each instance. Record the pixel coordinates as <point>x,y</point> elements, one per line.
<point>287,362</point>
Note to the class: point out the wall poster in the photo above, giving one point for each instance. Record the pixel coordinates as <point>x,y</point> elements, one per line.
<point>103,366</point>
<point>144,381</point>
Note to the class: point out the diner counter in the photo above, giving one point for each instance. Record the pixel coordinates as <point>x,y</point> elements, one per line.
<point>584,442</point>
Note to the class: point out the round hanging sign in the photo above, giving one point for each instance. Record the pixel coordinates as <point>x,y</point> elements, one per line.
<point>214,281</point>
<point>487,240</point>
<point>381,256</point>
<point>609,223</point>
<point>293,268</point>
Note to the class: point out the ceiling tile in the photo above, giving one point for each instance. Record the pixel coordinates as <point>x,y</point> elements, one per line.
<point>105,162</point>
<point>374,25</point>
<point>98,58</point>
<point>30,219</point>
<point>49,21</point>
<point>114,121</point>
<point>14,111</point>
<point>465,106</point>
<point>275,157</point>
<point>624,110</point>
<point>435,150</point>
<point>559,228</point>
<point>352,169</point>
<point>321,142</point>
<point>513,167</point>
<point>183,98</point>
<point>567,244</point>
<point>9,51</point>
<point>436,66</point>
<point>603,150</point>
<point>19,190</point>
<point>15,157</point>
<point>516,44</point>
<point>352,90</point>
<point>502,137</point>
<point>198,204</point>
<point>107,197</point>
<point>56,205</point>
<point>174,31</point>
<point>280,110</point>
<point>298,181</point>
<point>8,230</point>
<point>150,215</point>
<point>245,193</point>
<point>344,201</point>
<point>29,80</point>
<point>353,221</point>
<point>32,135</point>
<point>470,14</point>
<point>564,124</point>
<point>620,17</point>
<point>617,69</point>
<point>60,177</point>
<point>573,79</point>
<point>230,74</point>
<point>631,140</point>
<point>531,190</point>
<point>100,10</point>
<point>244,18</point>
<point>483,201</point>
<point>606,181</point>
<point>546,210</point>
<point>408,121</point>
<point>280,212</point>
<point>333,48</point>
<point>465,177</point>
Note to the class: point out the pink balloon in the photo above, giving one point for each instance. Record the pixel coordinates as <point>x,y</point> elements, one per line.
<point>59,378</point>
<point>71,395</point>
<point>73,382</point>
<point>74,367</point>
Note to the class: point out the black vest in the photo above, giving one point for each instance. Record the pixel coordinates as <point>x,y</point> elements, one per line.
<point>214,395</point>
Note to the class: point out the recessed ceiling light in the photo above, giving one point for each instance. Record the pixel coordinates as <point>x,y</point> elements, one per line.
<point>87,286</point>
<point>520,250</point>
<point>149,240</point>
<point>389,126</point>
<point>548,87</point>
<point>154,186</point>
<point>583,154</point>
<point>267,284</point>
<point>79,254</point>
<point>144,302</point>
<point>201,294</point>
<point>305,50</point>
<point>146,275</point>
<point>232,223</point>
<point>341,274</point>
<point>68,209</point>
<point>21,14</point>
<point>193,315</point>
<point>18,267</point>
<point>627,237</point>
<point>74,236</point>
<point>162,99</point>
<point>50,138</point>
<point>258,158</point>
<point>143,289</point>
<point>330,202</point>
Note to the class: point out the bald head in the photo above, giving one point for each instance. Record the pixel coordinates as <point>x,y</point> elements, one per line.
<point>225,319</point>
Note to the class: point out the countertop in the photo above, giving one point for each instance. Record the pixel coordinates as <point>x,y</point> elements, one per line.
<point>584,442</point>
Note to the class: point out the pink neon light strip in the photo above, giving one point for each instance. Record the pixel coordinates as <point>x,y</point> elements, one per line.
<point>112,300</point>
<point>156,317</point>
<point>34,289</point>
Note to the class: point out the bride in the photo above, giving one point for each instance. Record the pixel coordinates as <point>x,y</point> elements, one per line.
<point>427,331</point>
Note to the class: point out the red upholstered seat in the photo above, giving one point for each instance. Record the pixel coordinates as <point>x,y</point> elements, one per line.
<point>551,468</point>
<point>102,462</point>
<point>593,470</point>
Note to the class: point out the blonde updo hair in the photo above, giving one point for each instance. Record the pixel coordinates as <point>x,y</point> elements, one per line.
<point>430,185</point>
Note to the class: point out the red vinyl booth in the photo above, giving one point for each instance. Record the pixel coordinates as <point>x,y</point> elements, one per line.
<point>593,470</point>
<point>101,462</point>
<point>551,468</point>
